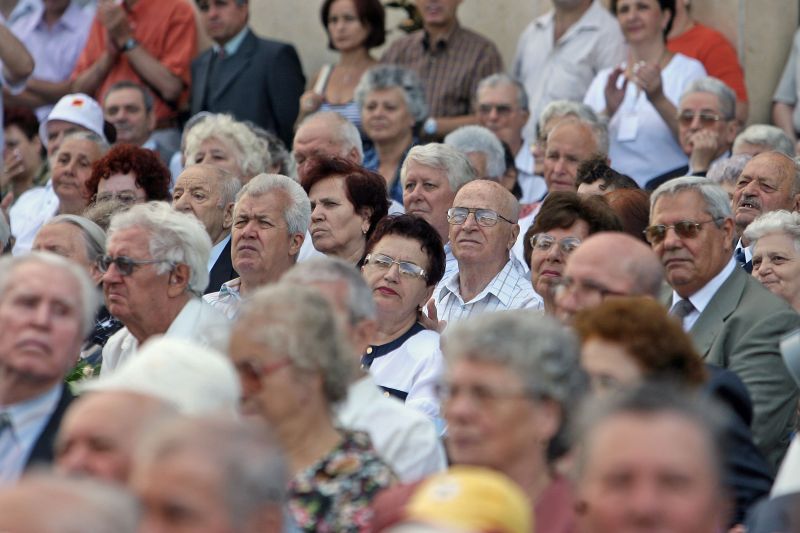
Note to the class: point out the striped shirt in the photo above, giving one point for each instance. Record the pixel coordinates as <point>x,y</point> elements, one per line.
<point>227,300</point>
<point>449,68</point>
<point>509,289</point>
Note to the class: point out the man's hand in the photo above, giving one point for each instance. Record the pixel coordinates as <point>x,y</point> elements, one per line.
<point>115,21</point>
<point>705,144</point>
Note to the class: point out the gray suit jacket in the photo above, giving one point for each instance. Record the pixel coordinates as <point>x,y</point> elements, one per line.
<point>740,330</point>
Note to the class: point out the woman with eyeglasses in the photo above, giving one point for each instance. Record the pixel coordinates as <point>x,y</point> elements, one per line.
<point>404,262</point>
<point>129,174</point>
<point>565,219</point>
<point>640,96</point>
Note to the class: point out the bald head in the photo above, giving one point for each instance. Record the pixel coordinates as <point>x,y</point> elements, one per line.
<point>500,198</point>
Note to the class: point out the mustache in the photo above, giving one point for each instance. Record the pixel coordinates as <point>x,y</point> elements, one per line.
<point>749,200</point>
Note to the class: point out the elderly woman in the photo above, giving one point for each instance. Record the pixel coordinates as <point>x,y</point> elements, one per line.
<point>295,365</point>
<point>347,202</point>
<point>403,356</point>
<point>511,383</point>
<point>565,219</point>
<point>354,27</point>
<point>392,103</point>
<point>221,141</point>
<point>775,238</point>
<point>640,96</point>
<point>130,174</point>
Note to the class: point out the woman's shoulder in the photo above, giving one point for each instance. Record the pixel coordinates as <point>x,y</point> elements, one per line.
<point>686,65</point>
<point>424,341</point>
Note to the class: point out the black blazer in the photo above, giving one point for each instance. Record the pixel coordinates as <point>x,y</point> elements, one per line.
<point>222,270</point>
<point>42,452</point>
<point>262,82</point>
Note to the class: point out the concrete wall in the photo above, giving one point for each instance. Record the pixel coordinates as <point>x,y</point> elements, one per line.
<point>761,30</point>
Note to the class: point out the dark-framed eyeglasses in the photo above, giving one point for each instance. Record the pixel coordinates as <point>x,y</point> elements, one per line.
<point>126,265</point>
<point>544,242</point>
<point>385,262</point>
<point>584,287</point>
<point>685,229</point>
<point>502,110</point>
<point>707,118</point>
<point>484,217</point>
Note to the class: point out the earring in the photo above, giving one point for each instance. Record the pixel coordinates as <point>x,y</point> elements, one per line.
<point>363,232</point>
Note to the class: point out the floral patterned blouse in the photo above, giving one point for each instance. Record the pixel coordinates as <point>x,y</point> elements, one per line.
<point>334,495</point>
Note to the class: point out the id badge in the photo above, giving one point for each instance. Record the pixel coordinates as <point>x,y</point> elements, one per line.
<point>628,126</point>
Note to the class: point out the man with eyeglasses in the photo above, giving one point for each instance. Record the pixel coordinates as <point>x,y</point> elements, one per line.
<point>735,323</point>
<point>154,273</point>
<point>483,228</point>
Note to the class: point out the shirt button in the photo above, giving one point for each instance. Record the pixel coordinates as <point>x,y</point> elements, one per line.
<point>386,394</point>
<point>369,350</point>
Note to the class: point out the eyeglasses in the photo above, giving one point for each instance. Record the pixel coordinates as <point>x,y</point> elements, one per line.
<point>252,371</point>
<point>544,241</point>
<point>385,262</point>
<point>584,287</point>
<point>125,197</point>
<point>707,118</point>
<point>482,395</point>
<point>502,110</point>
<point>126,265</point>
<point>484,217</point>
<point>685,229</point>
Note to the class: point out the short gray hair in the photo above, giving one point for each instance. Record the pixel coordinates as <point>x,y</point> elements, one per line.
<point>780,221</point>
<point>89,294</point>
<point>343,131</point>
<point>93,235</point>
<point>85,135</point>
<point>467,139</point>
<point>360,304</point>
<point>725,95</point>
<point>729,169</point>
<point>768,136</point>
<point>254,471</point>
<point>249,149</point>
<point>296,212</point>
<point>174,238</point>
<point>385,77</point>
<point>278,154</point>
<point>566,108</point>
<point>718,205</point>
<point>299,322</point>
<point>441,157</point>
<point>598,129</point>
<point>501,79</point>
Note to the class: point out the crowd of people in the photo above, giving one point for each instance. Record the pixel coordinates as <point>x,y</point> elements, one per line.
<point>419,293</point>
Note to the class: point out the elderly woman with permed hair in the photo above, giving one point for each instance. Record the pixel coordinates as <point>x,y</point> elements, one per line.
<point>231,145</point>
<point>775,237</point>
<point>392,103</point>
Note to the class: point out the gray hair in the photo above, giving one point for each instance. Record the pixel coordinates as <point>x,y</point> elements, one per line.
<point>502,79</point>
<point>85,135</point>
<point>718,205</point>
<point>360,304</point>
<point>442,157</point>
<point>385,77</point>
<point>296,212</point>
<point>566,108</point>
<point>93,235</point>
<point>249,149</point>
<point>725,95</point>
<point>89,294</point>
<point>780,221</point>
<point>254,471</point>
<point>278,154</point>
<point>5,233</point>
<point>343,131</point>
<point>771,137</point>
<point>598,129</point>
<point>193,121</point>
<point>299,322</point>
<point>174,238</point>
<point>467,139</point>
<point>147,96</point>
<point>728,169</point>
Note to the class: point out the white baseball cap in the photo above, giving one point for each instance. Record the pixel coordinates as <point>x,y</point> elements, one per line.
<point>78,108</point>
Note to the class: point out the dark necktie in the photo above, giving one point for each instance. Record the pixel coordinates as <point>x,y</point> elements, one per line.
<point>739,256</point>
<point>681,309</point>
<point>5,422</point>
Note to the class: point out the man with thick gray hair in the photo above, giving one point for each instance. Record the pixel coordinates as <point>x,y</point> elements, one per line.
<point>326,133</point>
<point>154,272</point>
<point>482,148</point>
<point>270,220</point>
<point>734,322</point>
<point>758,138</point>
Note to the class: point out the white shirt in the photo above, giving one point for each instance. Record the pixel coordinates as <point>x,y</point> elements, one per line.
<point>228,300</point>
<point>406,439</point>
<point>533,187</point>
<point>307,250</point>
<point>29,213</point>
<point>701,298</point>
<point>197,321</point>
<point>518,251</point>
<point>563,70</point>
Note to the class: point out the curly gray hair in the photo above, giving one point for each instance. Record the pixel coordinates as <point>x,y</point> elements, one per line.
<point>248,148</point>
<point>388,77</point>
<point>780,221</point>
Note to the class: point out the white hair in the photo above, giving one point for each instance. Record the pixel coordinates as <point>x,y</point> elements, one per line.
<point>343,132</point>
<point>780,221</point>
<point>468,139</point>
<point>442,157</point>
<point>297,211</point>
<point>248,147</point>
<point>725,95</point>
<point>766,135</point>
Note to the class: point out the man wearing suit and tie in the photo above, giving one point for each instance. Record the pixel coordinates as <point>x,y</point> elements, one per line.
<point>734,322</point>
<point>47,306</point>
<point>240,66</point>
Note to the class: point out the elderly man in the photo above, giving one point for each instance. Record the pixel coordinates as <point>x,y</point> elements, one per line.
<point>483,228</point>
<point>758,138</point>
<point>270,220</point>
<point>632,437</point>
<point>326,133</point>
<point>483,149</point>
<point>153,274</point>
<point>186,481</point>
<point>406,439</point>
<point>734,322</point>
<point>431,175</point>
<point>502,106</point>
<point>209,192</point>
<point>46,308</point>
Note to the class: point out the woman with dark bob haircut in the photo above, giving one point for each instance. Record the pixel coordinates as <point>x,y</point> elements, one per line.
<point>347,201</point>
<point>404,262</point>
<point>353,27</point>
<point>130,174</point>
<point>565,219</point>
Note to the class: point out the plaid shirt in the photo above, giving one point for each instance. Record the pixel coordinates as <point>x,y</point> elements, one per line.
<point>449,68</point>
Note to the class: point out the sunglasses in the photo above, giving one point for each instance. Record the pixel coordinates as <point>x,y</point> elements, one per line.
<point>484,217</point>
<point>685,229</point>
<point>707,119</point>
<point>126,265</point>
<point>385,262</point>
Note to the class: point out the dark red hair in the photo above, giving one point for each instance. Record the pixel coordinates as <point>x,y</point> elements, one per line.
<point>151,174</point>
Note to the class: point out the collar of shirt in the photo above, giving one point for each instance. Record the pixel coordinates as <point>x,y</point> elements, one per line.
<point>69,21</point>
<point>701,298</point>
<point>443,41</point>
<point>216,251</point>
<point>231,289</point>
<point>232,46</point>
<point>507,274</point>
<point>29,418</point>
<point>748,250</point>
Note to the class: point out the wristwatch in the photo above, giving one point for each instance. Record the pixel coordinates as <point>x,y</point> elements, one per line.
<point>130,44</point>
<point>430,126</point>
